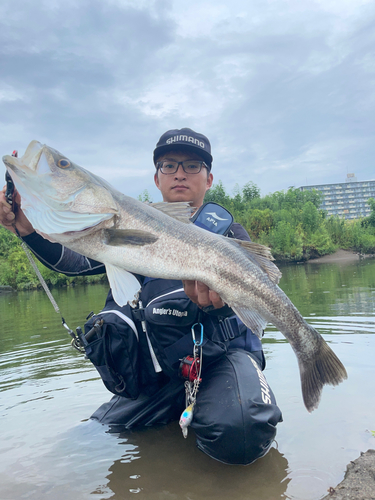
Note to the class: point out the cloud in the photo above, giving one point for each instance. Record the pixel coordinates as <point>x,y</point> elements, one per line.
<point>283,89</point>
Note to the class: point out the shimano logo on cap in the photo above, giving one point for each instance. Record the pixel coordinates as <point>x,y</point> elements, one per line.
<point>186,138</point>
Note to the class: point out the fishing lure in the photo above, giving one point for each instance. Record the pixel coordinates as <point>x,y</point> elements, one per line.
<point>186,418</point>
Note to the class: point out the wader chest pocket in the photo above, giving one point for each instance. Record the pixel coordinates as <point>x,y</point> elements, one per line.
<point>176,311</point>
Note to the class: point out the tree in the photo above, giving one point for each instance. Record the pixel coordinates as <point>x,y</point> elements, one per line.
<point>8,242</point>
<point>371,217</point>
<point>250,192</point>
<point>217,194</point>
<point>145,197</point>
<point>259,221</point>
<point>310,217</point>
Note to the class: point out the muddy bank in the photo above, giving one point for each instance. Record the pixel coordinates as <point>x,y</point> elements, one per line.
<point>359,480</point>
<point>342,256</point>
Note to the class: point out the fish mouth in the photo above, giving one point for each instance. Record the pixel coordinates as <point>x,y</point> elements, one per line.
<point>24,168</point>
<point>29,160</point>
<point>32,155</point>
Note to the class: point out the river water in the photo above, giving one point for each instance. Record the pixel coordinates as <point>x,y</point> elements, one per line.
<point>51,450</point>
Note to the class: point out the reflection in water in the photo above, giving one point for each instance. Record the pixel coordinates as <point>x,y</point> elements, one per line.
<point>168,469</point>
<point>344,288</point>
<point>51,451</point>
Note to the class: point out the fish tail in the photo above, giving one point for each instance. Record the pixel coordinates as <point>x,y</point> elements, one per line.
<point>324,368</point>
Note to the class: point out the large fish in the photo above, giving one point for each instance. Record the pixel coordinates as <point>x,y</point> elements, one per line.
<point>67,204</point>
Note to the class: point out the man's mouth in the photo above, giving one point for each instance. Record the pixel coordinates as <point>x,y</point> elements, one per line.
<point>180,186</point>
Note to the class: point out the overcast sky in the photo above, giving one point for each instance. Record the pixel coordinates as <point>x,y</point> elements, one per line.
<point>283,89</point>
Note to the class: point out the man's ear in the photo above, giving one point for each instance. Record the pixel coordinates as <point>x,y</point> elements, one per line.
<point>210,179</point>
<point>156,179</point>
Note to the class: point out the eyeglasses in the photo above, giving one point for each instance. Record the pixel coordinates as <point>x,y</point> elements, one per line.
<point>168,167</point>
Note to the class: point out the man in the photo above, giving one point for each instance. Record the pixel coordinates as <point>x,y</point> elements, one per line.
<point>235,413</point>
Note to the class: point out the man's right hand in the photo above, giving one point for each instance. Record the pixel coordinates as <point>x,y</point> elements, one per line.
<point>10,220</point>
<point>200,294</point>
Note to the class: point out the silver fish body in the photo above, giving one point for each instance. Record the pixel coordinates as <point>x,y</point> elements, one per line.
<point>67,204</point>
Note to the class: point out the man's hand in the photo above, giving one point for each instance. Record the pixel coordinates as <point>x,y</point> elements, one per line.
<point>200,294</point>
<point>8,219</point>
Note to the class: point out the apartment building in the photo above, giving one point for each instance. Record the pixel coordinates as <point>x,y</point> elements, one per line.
<point>347,199</point>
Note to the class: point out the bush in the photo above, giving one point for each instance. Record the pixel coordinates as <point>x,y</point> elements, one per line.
<point>257,222</point>
<point>285,241</point>
<point>318,244</point>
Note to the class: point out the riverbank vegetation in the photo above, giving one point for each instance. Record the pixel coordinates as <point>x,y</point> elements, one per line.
<point>292,225</point>
<point>289,222</point>
<point>17,272</point>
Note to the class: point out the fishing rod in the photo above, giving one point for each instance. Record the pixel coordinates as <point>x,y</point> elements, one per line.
<point>11,199</point>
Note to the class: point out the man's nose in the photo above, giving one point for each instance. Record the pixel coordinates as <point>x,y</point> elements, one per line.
<point>180,172</point>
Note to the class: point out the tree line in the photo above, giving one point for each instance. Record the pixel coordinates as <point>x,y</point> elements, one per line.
<point>292,224</point>
<point>17,272</point>
<point>289,222</point>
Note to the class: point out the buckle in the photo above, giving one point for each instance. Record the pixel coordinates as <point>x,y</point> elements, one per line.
<point>138,314</point>
<point>229,329</point>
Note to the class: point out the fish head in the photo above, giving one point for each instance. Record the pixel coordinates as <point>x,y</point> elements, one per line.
<point>50,183</point>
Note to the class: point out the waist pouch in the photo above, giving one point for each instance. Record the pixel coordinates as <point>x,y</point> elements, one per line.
<point>169,317</point>
<point>113,349</point>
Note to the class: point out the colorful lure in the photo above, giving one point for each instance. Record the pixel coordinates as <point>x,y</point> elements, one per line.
<point>186,418</point>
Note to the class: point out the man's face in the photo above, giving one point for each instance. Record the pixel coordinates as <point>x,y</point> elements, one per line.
<point>181,186</point>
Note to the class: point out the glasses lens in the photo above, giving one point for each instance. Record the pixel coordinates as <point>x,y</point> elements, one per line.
<point>192,167</point>
<point>168,167</point>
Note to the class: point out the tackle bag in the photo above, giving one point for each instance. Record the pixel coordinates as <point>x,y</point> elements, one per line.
<point>213,217</point>
<point>111,344</point>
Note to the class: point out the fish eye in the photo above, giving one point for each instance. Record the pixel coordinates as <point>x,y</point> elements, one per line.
<point>63,163</point>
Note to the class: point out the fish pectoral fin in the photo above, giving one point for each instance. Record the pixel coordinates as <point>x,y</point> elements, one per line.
<point>124,285</point>
<point>262,256</point>
<point>252,320</point>
<point>179,210</point>
<point>121,237</point>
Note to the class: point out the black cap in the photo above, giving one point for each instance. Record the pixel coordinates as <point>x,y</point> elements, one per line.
<point>184,139</point>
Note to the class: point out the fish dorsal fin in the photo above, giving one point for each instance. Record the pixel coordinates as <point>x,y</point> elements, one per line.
<point>252,320</point>
<point>124,285</point>
<point>179,210</point>
<point>121,237</point>
<point>262,256</point>
<point>254,248</point>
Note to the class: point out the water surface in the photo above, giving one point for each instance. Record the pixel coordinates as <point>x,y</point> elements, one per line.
<point>50,450</point>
